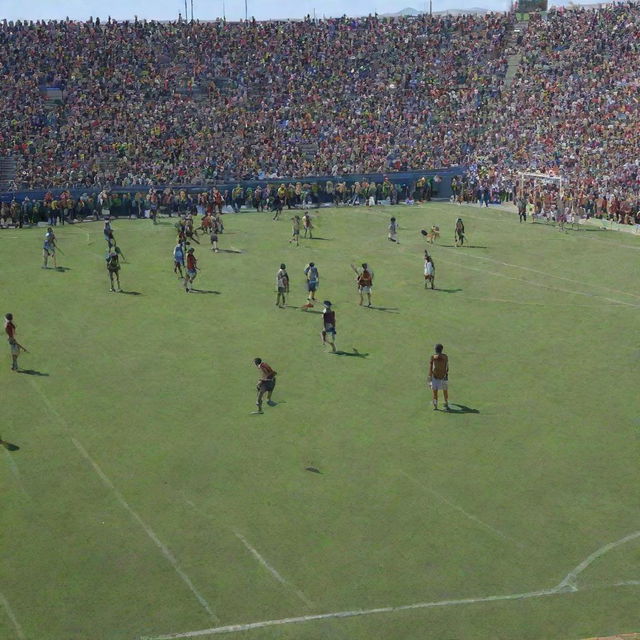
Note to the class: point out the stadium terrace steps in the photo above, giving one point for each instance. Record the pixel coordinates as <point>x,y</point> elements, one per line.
<point>515,44</point>
<point>7,171</point>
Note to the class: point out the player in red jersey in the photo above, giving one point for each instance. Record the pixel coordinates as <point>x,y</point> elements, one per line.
<point>10,330</point>
<point>192,270</point>
<point>328,332</point>
<point>266,384</point>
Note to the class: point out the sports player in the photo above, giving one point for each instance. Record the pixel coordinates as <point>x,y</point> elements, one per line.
<point>459,233</point>
<point>295,230</point>
<point>364,279</point>
<point>328,332</point>
<point>178,259</point>
<point>49,248</point>
<point>429,270</point>
<point>192,270</point>
<point>113,268</point>
<point>266,383</point>
<point>216,226</point>
<point>15,347</point>
<point>313,282</point>
<point>108,234</point>
<point>282,284</point>
<point>308,226</point>
<point>439,376</point>
<point>393,231</point>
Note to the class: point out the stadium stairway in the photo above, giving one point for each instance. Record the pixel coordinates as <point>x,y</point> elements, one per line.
<point>7,172</point>
<point>309,150</point>
<point>513,61</point>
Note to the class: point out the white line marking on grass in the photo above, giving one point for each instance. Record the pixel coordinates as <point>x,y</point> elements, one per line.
<point>147,529</point>
<point>569,581</point>
<point>16,473</point>
<point>12,617</point>
<point>254,552</point>
<point>234,628</point>
<point>546,274</point>
<point>458,508</point>
<point>271,570</point>
<point>541,304</point>
<point>541,285</point>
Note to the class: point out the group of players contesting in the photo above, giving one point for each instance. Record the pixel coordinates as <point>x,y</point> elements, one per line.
<point>185,266</point>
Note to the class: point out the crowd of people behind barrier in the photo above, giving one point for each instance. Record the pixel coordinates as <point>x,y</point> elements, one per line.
<point>269,196</point>
<point>183,103</point>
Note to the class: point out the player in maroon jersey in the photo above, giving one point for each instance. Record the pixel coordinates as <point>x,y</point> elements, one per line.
<point>328,332</point>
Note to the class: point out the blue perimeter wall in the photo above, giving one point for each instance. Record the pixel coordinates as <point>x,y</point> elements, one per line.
<point>408,178</point>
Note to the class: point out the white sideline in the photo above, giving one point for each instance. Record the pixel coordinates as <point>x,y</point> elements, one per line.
<point>566,585</point>
<point>458,508</point>
<point>147,529</point>
<point>12,617</point>
<point>271,570</point>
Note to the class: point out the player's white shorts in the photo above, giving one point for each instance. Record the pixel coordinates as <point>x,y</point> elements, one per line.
<point>429,271</point>
<point>364,289</point>
<point>437,384</point>
<point>393,236</point>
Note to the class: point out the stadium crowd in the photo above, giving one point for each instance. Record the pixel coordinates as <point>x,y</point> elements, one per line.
<point>182,102</point>
<point>185,103</point>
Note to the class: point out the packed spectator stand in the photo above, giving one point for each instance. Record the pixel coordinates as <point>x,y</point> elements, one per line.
<point>149,103</point>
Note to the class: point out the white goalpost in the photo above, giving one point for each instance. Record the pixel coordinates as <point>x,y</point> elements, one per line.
<point>553,203</point>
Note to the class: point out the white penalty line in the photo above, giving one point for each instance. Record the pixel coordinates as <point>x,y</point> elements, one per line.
<point>271,569</point>
<point>12,616</point>
<point>147,529</point>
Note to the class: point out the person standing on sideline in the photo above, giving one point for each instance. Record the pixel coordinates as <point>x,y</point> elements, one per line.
<point>328,332</point>
<point>313,281</point>
<point>364,279</point>
<point>10,330</point>
<point>282,284</point>
<point>49,248</point>
<point>429,271</point>
<point>266,383</point>
<point>522,209</point>
<point>439,376</point>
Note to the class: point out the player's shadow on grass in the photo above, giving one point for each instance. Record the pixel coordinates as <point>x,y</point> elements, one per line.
<point>387,309</point>
<point>461,408</point>
<point>131,293</point>
<point>205,291</point>
<point>317,238</point>
<point>9,446</point>
<point>32,372</point>
<point>62,269</point>
<point>312,311</point>
<point>448,290</point>
<point>230,251</point>
<point>353,353</point>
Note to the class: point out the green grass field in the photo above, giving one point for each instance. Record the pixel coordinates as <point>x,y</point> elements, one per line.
<point>145,501</point>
